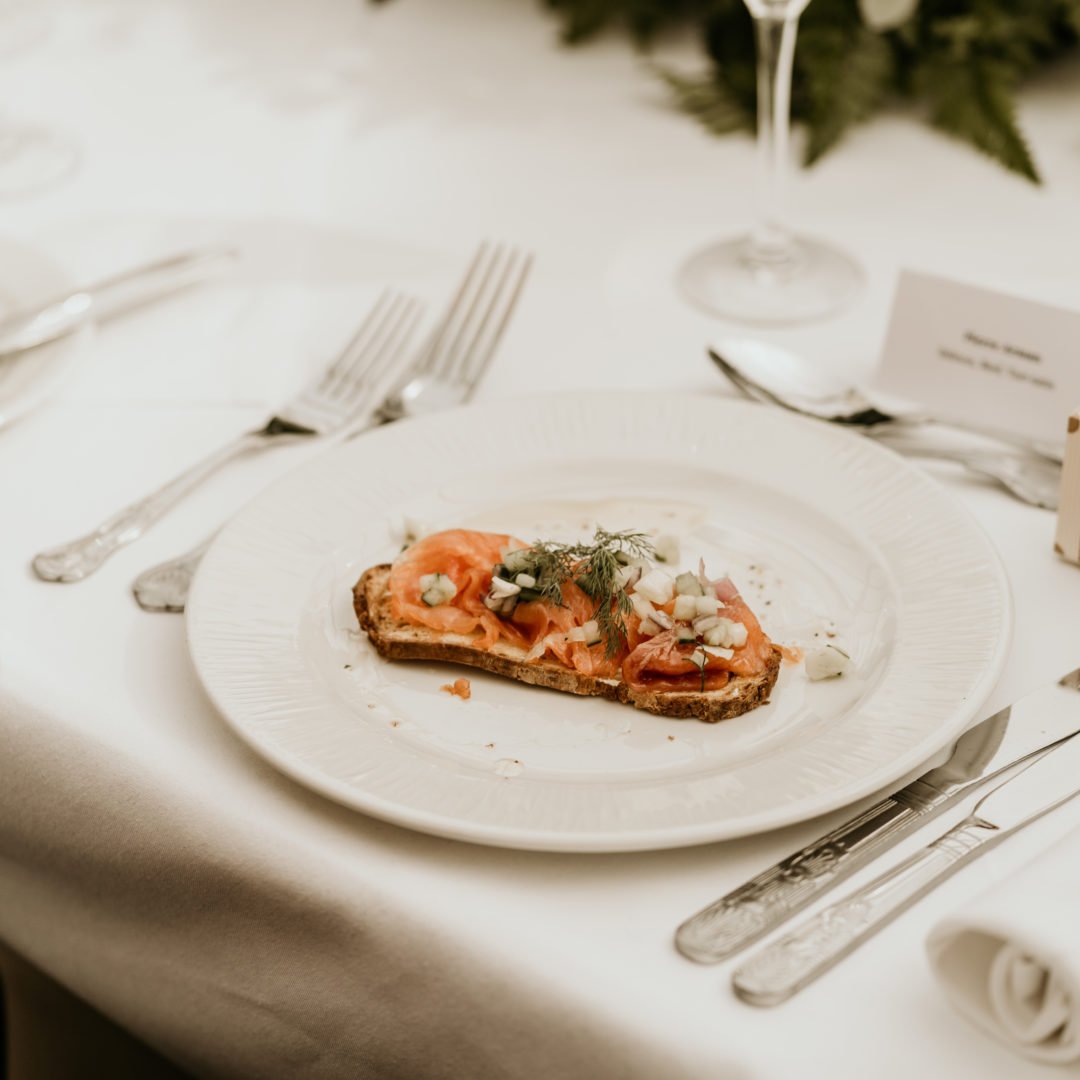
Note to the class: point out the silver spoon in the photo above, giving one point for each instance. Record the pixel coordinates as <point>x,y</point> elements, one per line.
<point>1031,476</point>
<point>786,379</point>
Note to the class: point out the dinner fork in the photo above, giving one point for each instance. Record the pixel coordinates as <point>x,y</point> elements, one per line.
<point>446,372</point>
<point>346,387</point>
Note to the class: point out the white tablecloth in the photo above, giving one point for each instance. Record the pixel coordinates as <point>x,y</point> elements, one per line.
<point>342,147</point>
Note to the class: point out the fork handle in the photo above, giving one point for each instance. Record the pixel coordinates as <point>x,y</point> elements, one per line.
<point>783,968</point>
<point>761,904</point>
<point>165,587</point>
<point>79,558</point>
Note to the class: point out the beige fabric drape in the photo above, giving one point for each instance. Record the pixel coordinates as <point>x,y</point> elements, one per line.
<point>238,954</point>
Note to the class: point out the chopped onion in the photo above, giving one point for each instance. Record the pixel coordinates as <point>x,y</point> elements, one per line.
<point>828,662</point>
<point>501,588</point>
<point>706,605</point>
<point>721,654</point>
<point>656,586</point>
<point>642,608</point>
<point>720,631</point>
<point>718,637</point>
<point>649,628</point>
<point>686,607</point>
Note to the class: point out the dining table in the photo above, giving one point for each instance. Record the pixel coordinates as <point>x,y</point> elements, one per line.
<point>153,863</point>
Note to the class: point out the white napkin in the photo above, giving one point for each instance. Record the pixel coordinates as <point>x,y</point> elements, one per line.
<point>1011,961</point>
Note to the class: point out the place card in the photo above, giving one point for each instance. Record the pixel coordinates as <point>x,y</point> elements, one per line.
<point>984,357</point>
<point>1067,534</point>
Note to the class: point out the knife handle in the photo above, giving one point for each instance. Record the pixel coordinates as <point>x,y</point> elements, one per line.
<point>105,299</point>
<point>764,902</point>
<point>783,968</point>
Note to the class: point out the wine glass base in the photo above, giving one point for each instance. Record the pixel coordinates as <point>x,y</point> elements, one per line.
<point>732,280</point>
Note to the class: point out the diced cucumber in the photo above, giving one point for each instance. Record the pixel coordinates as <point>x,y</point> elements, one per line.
<point>518,562</point>
<point>687,584</point>
<point>437,589</point>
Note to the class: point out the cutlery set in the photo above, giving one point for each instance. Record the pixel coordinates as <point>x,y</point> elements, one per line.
<point>1029,747</point>
<point>1034,741</point>
<point>374,380</point>
<point>1028,470</point>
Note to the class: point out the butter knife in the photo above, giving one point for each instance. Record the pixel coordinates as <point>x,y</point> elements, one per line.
<point>1030,726</point>
<point>783,968</point>
<point>113,296</point>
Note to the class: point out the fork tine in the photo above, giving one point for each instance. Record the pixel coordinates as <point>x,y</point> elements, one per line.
<point>364,385</point>
<point>376,344</point>
<point>478,358</point>
<point>458,353</point>
<point>363,345</point>
<point>477,307</point>
<point>429,360</point>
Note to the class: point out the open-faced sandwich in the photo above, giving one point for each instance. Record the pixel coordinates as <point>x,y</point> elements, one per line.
<point>600,618</point>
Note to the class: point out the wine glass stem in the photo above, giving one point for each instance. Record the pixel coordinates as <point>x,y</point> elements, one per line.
<point>771,246</point>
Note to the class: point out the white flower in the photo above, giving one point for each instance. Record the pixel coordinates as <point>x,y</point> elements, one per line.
<point>886,14</point>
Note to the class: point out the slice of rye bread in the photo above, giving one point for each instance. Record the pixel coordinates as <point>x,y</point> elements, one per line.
<point>397,640</point>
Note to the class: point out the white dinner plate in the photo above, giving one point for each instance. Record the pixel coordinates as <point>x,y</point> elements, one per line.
<point>26,379</point>
<point>830,537</point>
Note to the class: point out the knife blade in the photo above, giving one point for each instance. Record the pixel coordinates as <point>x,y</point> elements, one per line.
<point>783,968</point>
<point>1030,726</point>
<point>108,298</point>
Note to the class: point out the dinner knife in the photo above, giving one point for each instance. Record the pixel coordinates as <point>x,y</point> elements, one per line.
<point>783,968</point>
<point>113,296</point>
<point>1030,726</point>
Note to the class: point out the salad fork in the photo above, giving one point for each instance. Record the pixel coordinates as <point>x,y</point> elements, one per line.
<point>328,402</point>
<point>446,372</point>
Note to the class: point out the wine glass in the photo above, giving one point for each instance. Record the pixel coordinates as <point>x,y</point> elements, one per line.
<point>772,276</point>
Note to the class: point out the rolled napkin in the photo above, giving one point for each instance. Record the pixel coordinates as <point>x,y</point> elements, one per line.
<point>1011,961</point>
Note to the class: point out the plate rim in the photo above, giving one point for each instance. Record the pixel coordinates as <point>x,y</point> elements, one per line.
<point>901,769</point>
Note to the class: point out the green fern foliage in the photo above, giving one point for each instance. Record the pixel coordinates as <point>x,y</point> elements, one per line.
<point>963,60</point>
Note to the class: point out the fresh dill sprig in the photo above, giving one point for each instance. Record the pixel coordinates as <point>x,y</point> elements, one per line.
<point>552,565</point>
<point>597,575</point>
<point>595,568</point>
